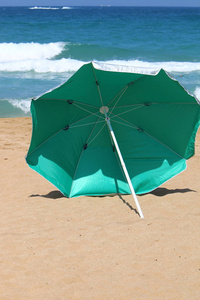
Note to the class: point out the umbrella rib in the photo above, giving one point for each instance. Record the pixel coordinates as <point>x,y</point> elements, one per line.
<point>86,124</point>
<point>143,131</point>
<point>86,104</point>
<point>44,142</point>
<point>84,149</point>
<point>117,156</point>
<point>93,128</point>
<point>97,134</point>
<point>122,93</point>
<point>91,113</point>
<point>71,125</point>
<point>131,105</point>
<point>118,94</point>
<point>128,125</point>
<point>125,88</point>
<point>140,106</point>
<point>164,145</point>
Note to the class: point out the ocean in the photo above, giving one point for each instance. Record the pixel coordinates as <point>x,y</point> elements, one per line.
<point>41,47</point>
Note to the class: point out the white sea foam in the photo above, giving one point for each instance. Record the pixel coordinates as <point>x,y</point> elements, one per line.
<point>49,7</point>
<point>43,7</point>
<point>197,93</point>
<point>23,104</point>
<point>66,7</point>
<point>41,64</point>
<point>40,58</point>
<point>11,52</point>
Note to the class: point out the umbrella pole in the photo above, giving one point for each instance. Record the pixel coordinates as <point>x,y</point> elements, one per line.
<point>124,166</point>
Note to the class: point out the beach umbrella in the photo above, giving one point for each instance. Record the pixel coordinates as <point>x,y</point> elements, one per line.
<point>105,132</point>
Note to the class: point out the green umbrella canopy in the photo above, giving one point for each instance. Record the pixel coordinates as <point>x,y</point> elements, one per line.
<point>153,117</point>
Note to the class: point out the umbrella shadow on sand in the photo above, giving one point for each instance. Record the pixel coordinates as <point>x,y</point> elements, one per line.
<point>51,195</point>
<point>54,195</point>
<point>159,192</point>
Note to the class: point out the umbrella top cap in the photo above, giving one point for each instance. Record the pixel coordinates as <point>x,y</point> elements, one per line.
<point>104,110</point>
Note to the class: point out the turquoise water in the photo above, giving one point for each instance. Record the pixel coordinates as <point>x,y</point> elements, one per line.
<point>41,48</point>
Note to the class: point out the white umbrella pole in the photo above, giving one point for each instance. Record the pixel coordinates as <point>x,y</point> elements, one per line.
<point>124,166</point>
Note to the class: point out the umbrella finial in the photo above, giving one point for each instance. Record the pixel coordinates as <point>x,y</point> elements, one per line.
<point>104,110</point>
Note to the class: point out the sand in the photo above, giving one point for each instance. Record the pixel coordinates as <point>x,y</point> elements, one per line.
<point>54,248</point>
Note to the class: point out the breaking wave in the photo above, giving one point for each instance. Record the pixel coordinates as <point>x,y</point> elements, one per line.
<point>42,66</point>
<point>11,52</point>
<point>72,65</point>
<point>14,107</point>
<point>23,104</point>
<point>51,57</point>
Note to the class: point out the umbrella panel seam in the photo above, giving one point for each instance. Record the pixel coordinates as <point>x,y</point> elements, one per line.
<point>117,157</point>
<point>67,100</point>
<point>97,84</point>
<point>69,126</point>
<point>76,172</point>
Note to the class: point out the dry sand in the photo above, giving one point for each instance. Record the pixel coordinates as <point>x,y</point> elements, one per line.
<point>54,248</point>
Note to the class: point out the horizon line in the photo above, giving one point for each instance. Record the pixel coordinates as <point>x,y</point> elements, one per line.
<point>101,5</point>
